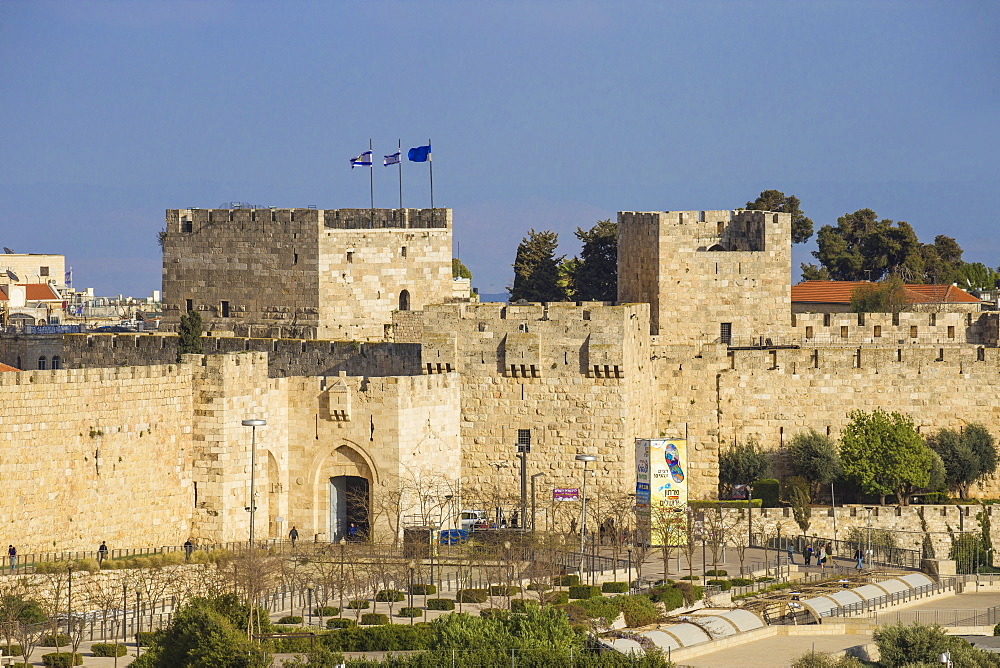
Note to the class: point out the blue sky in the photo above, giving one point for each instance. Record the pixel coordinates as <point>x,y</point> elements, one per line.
<point>545,115</point>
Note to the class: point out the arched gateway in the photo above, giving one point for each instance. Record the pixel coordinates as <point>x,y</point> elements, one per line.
<point>342,492</point>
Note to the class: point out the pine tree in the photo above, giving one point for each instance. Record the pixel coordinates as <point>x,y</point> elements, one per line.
<point>536,269</point>
<point>189,335</point>
<point>596,277</point>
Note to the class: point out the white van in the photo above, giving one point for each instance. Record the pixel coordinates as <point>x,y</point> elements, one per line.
<point>474,519</point>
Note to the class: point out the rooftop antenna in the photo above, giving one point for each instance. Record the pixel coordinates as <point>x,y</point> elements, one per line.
<point>12,276</point>
<point>8,251</point>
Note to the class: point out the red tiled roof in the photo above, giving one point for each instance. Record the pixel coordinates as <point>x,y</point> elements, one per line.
<point>7,367</point>
<point>35,292</point>
<point>839,292</point>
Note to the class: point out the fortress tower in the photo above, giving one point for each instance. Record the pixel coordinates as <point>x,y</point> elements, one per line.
<point>708,276</point>
<point>305,273</point>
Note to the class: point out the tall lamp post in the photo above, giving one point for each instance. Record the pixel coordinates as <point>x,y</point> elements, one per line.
<point>523,448</point>
<point>586,459</point>
<point>253,424</point>
<point>533,499</point>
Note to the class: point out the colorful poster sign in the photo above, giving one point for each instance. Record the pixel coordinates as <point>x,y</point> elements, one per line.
<point>565,494</point>
<point>661,486</point>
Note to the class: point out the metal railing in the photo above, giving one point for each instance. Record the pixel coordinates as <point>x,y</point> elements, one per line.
<point>865,607</point>
<point>957,617</point>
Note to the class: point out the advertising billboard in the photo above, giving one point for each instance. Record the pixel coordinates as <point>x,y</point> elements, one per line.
<point>661,488</point>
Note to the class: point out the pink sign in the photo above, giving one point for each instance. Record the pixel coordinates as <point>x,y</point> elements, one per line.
<point>565,494</point>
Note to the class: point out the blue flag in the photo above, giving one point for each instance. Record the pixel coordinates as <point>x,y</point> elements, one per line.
<point>391,159</point>
<point>363,160</point>
<point>419,154</point>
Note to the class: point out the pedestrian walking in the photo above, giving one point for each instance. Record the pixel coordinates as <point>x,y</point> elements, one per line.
<point>829,553</point>
<point>293,536</point>
<point>352,532</point>
<point>860,557</point>
<point>12,556</point>
<point>188,549</point>
<point>809,555</point>
<point>102,553</point>
<point>822,556</point>
<point>791,553</point>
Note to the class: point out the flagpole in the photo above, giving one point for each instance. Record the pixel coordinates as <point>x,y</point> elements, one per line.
<point>399,147</point>
<point>371,179</point>
<point>431,169</point>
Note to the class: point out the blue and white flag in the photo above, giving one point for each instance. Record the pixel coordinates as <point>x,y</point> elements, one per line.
<point>419,154</point>
<point>363,160</point>
<point>391,159</point>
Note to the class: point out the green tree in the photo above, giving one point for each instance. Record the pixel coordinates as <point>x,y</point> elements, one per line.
<point>815,457</point>
<point>883,454</point>
<point>977,276</point>
<point>919,644</point>
<point>459,270</point>
<point>968,457</point>
<point>596,277</point>
<point>202,634</point>
<point>536,269</point>
<point>189,335</point>
<point>888,296</point>
<point>743,463</point>
<point>775,200</point>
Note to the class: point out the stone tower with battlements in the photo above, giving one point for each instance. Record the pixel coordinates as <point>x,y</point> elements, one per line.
<point>304,273</point>
<point>708,275</point>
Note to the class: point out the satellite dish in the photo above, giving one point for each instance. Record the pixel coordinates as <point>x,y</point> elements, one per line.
<point>12,276</point>
<point>8,251</point>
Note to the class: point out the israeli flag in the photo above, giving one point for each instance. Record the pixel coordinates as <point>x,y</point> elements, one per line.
<point>391,159</point>
<point>419,154</point>
<point>363,160</point>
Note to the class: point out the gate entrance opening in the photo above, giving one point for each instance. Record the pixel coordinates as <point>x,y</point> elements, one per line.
<point>348,505</point>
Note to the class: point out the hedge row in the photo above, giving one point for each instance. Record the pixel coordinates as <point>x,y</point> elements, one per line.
<point>472,596</point>
<point>62,659</point>
<point>290,619</point>
<point>326,611</point>
<point>440,604</point>
<point>614,587</point>
<point>423,589</point>
<point>108,649</point>
<point>374,619</point>
<point>390,596</point>
<point>584,591</point>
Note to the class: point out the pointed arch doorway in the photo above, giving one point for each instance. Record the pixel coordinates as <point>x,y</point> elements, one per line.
<point>349,499</point>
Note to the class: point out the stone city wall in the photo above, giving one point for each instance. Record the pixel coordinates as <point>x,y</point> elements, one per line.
<point>24,351</point>
<point>96,454</point>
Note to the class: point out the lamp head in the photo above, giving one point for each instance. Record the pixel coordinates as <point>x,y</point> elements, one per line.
<point>586,458</point>
<point>254,423</point>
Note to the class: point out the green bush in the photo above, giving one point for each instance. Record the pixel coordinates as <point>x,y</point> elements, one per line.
<point>13,650</point>
<point>504,590</point>
<point>768,490</point>
<point>614,587</point>
<point>340,623</point>
<point>584,591</point>
<point>740,582</point>
<point>440,604</point>
<point>566,580</point>
<point>717,573</point>
<point>147,638</point>
<point>725,585</point>
<point>557,598</point>
<point>472,596</point>
<point>691,577</point>
<point>423,589</point>
<point>996,630</point>
<point>49,640</point>
<point>522,605</point>
<point>382,638</point>
<point>290,619</point>
<point>390,596</point>
<point>374,619</point>
<point>670,596</point>
<point>326,611</point>
<point>539,586</point>
<point>358,605</point>
<point>62,659</point>
<point>108,649</point>
<point>410,612</point>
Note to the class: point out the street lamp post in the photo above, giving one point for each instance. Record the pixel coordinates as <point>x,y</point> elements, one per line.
<point>523,448</point>
<point>253,424</point>
<point>629,548</point>
<point>497,509</point>
<point>412,565</point>
<point>343,543</point>
<point>309,590</point>
<point>586,459</point>
<point>533,499</point>
<point>870,555</point>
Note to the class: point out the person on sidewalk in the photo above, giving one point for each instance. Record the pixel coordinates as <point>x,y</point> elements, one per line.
<point>102,553</point>
<point>860,557</point>
<point>293,536</point>
<point>12,555</point>
<point>791,553</point>
<point>822,557</point>
<point>809,555</point>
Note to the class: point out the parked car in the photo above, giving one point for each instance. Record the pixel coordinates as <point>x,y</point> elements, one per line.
<point>474,519</point>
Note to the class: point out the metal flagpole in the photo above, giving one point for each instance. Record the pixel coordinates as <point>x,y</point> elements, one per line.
<point>430,159</point>
<point>371,179</point>
<point>399,146</point>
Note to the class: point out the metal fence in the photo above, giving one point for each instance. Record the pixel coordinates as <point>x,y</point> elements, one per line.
<point>879,556</point>
<point>865,607</point>
<point>957,617</point>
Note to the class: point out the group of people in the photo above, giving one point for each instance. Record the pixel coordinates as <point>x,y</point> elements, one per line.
<point>821,553</point>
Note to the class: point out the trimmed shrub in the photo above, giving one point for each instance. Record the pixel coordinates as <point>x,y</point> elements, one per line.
<point>492,613</point>
<point>358,605</point>
<point>725,585</point>
<point>717,572</point>
<point>440,604</point>
<point>539,586</point>
<point>566,580</point>
<point>584,591</point>
<point>740,582</point>
<point>340,623</point>
<point>108,649</point>
<point>410,612</point>
<point>290,619</point>
<point>504,590</point>
<point>147,638</point>
<point>423,589</point>
<point>522,605</point>
<point>670,596</point>
<point>62,659</point>
<point>390,596</point>
<point>13,650</point>
<point>374,619</point>
<point>614,587</point>
<point>557,598</point>
<point>691,577</point>
<point>380,638</point>
<point>49,640</point>
<point>472,596</point>
<point>326,611</point>
<point>768,491</point>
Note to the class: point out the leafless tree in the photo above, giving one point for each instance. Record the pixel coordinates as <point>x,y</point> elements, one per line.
<point>668,527</point>
<point>252,574</point>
